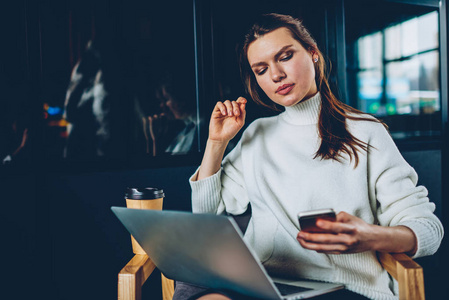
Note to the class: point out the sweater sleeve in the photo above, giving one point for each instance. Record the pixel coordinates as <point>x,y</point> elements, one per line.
<point>393,184</point>
<point>223,191</point>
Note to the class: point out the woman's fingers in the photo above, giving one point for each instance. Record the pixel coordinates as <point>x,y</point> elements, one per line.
<point>231,108</point>
<point>326,238</point>
<point>345,217</point>
<point>221,107</point>
<point>241,100</point>
<point>324,248</point>
<point>335,227</point>
<point>235,108</point>
<point>327,243</point>
<point>242,105</point>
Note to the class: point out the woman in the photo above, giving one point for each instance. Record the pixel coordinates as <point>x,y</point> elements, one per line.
<point>318,153</point>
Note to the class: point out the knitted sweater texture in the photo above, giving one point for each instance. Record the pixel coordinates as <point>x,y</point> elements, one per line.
<point>273,168</point>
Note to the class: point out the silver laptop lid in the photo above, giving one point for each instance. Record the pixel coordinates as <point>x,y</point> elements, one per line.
<point>203,249</point>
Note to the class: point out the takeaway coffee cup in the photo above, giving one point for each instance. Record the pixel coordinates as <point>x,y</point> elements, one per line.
<point>143,198</point>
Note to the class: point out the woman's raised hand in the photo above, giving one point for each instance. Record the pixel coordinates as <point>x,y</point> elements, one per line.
<point>227,119</point>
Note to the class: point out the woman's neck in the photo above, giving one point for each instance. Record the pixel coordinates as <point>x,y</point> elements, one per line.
<point>305,112</point>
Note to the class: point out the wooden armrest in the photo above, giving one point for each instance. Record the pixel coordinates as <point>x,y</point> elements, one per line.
<point>407,272</point>
<point>168,288</point>
<point>133,276</point>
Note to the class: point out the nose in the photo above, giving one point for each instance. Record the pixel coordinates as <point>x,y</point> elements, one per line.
<point>277,73</point>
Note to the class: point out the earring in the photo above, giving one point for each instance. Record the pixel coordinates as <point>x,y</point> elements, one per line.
<point>315,59</point>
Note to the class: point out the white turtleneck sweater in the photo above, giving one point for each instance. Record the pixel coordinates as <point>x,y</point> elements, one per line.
<point>272,167</point>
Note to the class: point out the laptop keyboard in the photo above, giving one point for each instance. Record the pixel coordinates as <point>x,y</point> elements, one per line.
<point>286,289</point>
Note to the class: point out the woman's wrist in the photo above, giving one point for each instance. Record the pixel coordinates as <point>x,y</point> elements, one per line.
<point>213,155</point>
<point>217,145</point>
<point>396,239</point>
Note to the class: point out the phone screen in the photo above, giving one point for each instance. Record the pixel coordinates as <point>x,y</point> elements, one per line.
<point>307,220</point>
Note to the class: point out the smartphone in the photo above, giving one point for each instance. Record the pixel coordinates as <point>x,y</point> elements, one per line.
<point>307,219</point>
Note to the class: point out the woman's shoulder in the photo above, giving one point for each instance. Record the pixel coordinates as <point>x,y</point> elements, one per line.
<point>365,123</point>
<point>369,129</point>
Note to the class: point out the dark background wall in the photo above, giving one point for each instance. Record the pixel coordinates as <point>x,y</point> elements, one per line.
<point>60,237</point>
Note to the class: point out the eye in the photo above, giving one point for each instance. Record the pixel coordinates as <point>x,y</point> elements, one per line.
<point>261,71</point>
<point>287,56</point>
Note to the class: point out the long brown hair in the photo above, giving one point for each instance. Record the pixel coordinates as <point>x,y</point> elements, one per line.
<point>335,137</point>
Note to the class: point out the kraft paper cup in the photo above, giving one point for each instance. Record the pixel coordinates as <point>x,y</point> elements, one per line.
<point>143,198</point>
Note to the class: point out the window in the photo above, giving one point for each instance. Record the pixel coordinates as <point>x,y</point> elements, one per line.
<point>397,76</point>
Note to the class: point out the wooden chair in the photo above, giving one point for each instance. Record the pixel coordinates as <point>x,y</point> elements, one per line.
<point>400,266</point>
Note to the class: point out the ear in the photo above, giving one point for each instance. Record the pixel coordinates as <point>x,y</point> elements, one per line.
<point>315,55</point>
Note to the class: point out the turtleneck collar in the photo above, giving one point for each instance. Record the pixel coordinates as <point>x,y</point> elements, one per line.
<point>305,112</point>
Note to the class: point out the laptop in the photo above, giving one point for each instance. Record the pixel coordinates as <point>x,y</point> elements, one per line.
<point>208,250</point>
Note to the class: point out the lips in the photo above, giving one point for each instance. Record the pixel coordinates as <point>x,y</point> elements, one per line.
<point>285,89</point>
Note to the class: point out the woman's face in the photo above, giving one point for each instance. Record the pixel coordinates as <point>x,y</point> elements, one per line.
<point>283,69</point>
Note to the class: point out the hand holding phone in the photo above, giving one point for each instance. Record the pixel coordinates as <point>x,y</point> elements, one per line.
<point>308,219</point>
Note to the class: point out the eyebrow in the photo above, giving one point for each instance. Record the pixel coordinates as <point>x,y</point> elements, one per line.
<point>276,56</point>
